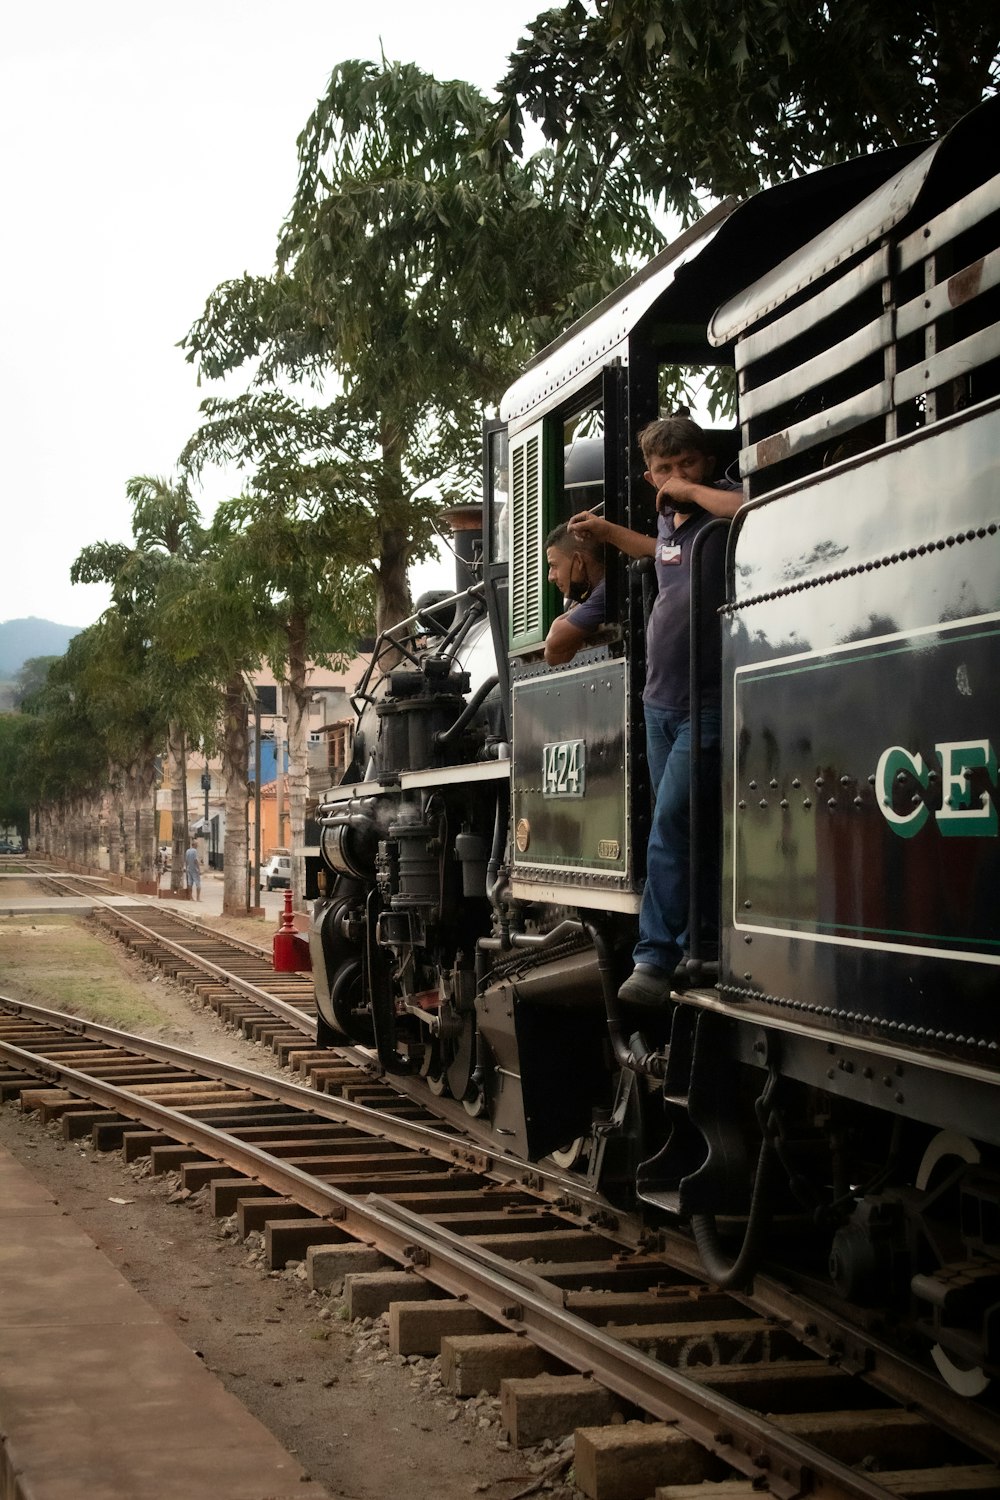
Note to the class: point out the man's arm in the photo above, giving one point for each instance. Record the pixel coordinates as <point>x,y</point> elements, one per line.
<point>718,502</point>
<point>564,640</point>
<point>632,543</point>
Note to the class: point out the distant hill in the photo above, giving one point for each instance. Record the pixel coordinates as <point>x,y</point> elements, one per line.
<point>20,640</point>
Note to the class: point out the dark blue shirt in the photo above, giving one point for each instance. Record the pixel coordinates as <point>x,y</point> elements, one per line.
<point>668,635</point>
<point>588,615</point>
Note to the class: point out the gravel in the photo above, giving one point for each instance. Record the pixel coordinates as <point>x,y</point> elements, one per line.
<point>360,1420</point>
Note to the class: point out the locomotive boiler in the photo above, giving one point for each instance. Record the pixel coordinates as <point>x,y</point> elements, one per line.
<point>835,1072</point>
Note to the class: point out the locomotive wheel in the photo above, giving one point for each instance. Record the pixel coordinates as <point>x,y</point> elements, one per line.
<point>568,1156</point>
<point>432,1069</point>
<point>945,1150</point>
<point>347,1001</point>
<point>448,1065</point>
<point>462,1060</point>
<point>474,1102</point>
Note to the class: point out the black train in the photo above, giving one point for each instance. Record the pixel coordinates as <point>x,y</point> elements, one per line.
<point>486,848</point>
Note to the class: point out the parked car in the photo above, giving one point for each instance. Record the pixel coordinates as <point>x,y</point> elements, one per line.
<point>277,871</point>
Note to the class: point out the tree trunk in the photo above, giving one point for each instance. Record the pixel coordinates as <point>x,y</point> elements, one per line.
<point>146,821</point>
<point>73,831</point>
<point>130,860</point>
<point>91,825</point>
<point>114,829</point>
<point>177,758</point>
<point>235,761</point>
<point>393,593</point>
<point>297,697</point>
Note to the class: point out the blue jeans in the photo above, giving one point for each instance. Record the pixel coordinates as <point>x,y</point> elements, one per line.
<point>663,916</point>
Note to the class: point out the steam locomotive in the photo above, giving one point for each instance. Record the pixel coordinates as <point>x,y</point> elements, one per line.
<point>484,854</point>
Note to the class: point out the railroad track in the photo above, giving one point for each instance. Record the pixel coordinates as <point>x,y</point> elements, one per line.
<point>587,1323</point>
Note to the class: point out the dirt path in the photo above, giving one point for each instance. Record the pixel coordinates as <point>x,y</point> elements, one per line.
<point>367,1424</point>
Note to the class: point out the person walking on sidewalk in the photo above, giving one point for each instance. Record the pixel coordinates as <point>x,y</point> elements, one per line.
<point>192,869</point>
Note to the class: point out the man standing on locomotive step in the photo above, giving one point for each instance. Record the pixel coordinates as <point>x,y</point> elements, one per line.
<point>679,466</point>
<point>576,567</point>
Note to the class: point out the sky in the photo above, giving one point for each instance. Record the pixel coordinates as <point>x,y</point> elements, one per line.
<point>148,155</point>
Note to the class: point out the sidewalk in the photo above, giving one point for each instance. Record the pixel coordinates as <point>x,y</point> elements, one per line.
<point>98,1395</point>
<point>210,904</point>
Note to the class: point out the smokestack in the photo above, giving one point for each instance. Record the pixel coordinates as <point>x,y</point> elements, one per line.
<point>466,524</point>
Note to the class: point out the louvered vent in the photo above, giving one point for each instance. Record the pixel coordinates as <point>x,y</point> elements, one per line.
<point>527,561</point>
<point>889,340</point>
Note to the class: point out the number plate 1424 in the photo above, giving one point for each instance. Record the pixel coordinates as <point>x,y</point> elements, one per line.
<point>563,768</point>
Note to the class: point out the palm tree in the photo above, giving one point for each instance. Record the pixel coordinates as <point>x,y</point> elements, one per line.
<point>167,538</point>
<point>418,276</point>
<point>304,605</point>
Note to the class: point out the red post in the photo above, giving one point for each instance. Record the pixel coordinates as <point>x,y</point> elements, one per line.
<point>290,949</point>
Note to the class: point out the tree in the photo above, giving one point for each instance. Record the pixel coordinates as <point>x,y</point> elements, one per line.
<point>167,538</point>
<point>210,624</point>
<point>77,729</point>
<point>17,733</point>
<point>724,97</point>
<point>305,603</point>
<point>31,678</point>
<point>416,274</point>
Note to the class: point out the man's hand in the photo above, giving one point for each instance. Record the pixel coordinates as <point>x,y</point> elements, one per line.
<point>598,529</point>
<point>678,494</point>
<point>685,495</point>
<point>586,523</point>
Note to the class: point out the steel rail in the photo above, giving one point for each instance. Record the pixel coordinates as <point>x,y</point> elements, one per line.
<point>303,1021</point>
<point>544,1179</point>
<point>552,1181</point>
<point>739,1437</point>
<point>406,1133</point>
<point>819,1327</point>
<point>862,1352</point>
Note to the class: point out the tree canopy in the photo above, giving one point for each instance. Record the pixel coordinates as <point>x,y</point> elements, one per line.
<point>721,97</point>
<point>415,273</point>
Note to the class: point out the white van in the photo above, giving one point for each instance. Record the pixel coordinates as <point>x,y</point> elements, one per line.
<point>277,871</point>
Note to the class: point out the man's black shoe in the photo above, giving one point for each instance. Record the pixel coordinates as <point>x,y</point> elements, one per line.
<point>646,985</point>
